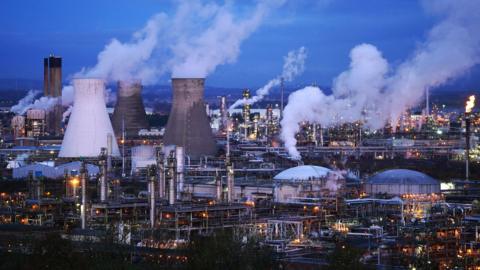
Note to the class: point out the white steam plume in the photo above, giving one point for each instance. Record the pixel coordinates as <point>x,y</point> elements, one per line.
<point>294,65</point>
<point>25,103</point>
<point>368,92</point>
<point>130,60</point>
<point>192,42</point>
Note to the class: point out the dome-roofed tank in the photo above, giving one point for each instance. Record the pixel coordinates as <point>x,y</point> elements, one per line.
<point>302,173</point>
<point>401,181</point>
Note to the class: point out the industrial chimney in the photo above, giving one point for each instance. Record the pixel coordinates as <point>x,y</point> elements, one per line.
<point>52,87</point>
<point>89,126</point>
<point>188,125</point>
<point>129,109</point>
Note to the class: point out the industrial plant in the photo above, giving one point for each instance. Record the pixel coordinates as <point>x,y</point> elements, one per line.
<point>114,165</point>
<point>217,169</point>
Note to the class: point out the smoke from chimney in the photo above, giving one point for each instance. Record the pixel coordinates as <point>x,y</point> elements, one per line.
<point>191,43</point>
<point>294,65</point>
<point>368,92</point>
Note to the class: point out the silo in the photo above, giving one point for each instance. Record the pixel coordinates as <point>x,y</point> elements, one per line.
<point>188,125</point>
<point>129,110</point>
<point>89,125</point>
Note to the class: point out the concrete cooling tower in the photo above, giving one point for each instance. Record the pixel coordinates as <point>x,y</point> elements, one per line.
<point>188,124</point>
<point>129,109</point>
<point>89,126</point>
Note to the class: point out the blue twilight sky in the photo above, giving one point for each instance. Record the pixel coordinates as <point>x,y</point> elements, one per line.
<point>79,29</point>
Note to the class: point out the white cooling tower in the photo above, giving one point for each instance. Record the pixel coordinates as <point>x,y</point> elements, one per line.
<point>89,125</point>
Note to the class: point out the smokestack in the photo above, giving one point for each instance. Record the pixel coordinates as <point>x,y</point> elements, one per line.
<point>46,79</point>
<point>180,157</point>
<point>129,108</point>
<point>52,87</point>
<point>89,124</point>
<point>188,125</point>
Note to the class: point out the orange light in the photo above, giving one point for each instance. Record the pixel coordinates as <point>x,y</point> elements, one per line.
<point>75,182</point>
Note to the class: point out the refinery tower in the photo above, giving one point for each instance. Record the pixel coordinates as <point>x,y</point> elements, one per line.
<point>129,113</point>
<point>188,125</point>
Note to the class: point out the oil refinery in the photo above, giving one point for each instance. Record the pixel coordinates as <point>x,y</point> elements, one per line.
<point>374,172</point>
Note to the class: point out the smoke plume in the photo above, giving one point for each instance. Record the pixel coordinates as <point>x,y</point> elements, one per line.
<point>294,65</point>
<point>192,42</point>
<point>25,103</point>
<point>375,94</point>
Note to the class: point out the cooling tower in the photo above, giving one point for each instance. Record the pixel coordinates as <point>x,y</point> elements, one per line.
<point>188,124</point>
<point>129,109</point>
<point>89,125</point>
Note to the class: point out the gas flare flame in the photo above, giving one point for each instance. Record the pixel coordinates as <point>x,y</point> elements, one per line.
<point>470,104</point>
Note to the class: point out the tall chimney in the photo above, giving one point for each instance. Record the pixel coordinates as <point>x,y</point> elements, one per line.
<point>188,125</point>
<point>46,78</point>
<point>52,87</point>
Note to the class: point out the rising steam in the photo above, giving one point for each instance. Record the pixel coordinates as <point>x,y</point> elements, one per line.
<point>371,92</point>
<point>192,42</point>
<point>294,65</point>
<point>25,103</point>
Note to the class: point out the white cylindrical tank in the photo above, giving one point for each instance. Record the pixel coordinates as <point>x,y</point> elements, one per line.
<point>89,124</point>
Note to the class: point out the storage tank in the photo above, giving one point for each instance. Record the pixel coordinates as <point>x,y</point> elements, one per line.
<point>89,126</point>
<point>188,125</point>
<point>401,181</point>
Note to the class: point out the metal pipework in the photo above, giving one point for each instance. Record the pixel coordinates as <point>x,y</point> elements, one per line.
<point>161,173</point>
<point>180,158</point>
<point>83,176</point>
<point>230,171</point>
<point>171,167</point>
<point>151,174</point>
<point>103,178</point>
<point>109,152</point>
<point>230,182</point>
<point>218,185</point>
